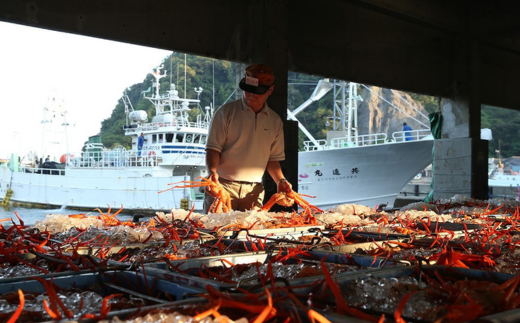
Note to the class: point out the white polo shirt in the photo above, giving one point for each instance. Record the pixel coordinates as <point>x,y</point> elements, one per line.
<point>246,141</point>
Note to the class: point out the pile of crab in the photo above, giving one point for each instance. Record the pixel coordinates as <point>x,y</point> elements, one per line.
<point>435,262</point>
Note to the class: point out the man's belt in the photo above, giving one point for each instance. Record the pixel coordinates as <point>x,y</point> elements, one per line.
<point>238,182</point>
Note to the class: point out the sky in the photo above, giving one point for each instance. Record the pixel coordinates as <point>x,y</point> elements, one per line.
<point>86,76</point>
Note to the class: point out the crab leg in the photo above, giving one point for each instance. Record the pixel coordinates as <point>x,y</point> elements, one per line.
<point>19,309</point>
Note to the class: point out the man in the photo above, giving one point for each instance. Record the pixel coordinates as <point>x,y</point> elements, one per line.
<point>140,143</point>
<point>246,138</point>
<point>407,134</point>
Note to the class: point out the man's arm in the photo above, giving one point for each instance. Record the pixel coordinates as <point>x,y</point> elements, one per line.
<point>212,161</point>
<point>275,170</point>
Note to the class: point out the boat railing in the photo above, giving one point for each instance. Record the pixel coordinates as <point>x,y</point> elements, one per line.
<point>400,136</point>
<point>113,159</point>
<point>361,140</point>
<point>364,140</point>
<point>175,124</point>
<point>311,145</point>
<point>201,125</point>
<point>40,170</point>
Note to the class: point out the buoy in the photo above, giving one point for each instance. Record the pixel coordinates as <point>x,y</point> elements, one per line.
<point>151,154</point>
<point>7,197</point>
<point>185,204</point>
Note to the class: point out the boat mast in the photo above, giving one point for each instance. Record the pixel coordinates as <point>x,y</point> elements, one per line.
<point>50,123</point>
<point>44,122</point>
<point>213,103</point>
<point>156,97</point>
<point>65,124</point>
<point>185,86</point>
<point>344,115</point>
<point>499,151</point>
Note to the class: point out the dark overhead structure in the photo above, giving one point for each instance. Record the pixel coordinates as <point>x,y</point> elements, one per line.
<point>466,52</point>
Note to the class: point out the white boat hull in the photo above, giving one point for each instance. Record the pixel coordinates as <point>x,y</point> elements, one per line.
<point>102,188</point>
<point>504,181</point>
<point>366,175</point>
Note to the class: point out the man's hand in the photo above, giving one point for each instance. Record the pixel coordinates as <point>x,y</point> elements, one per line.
<point>214,178</point>
<point>284,186</point>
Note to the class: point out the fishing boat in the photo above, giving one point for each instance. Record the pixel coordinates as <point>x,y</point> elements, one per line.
<point>348,167</point>
<point>345,168</point>
<point>130,178</point>
<point>503,177</point>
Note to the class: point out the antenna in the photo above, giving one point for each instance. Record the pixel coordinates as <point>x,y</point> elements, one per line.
<point>171,71</point>
<point>65,124</point>
<point>185,75</point>
<point>213,81</point>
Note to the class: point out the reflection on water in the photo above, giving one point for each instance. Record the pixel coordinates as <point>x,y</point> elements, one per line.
<point>31,215</point>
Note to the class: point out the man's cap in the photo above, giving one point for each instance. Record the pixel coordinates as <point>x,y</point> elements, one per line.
<point>258,79</point>
<point>404,123</point>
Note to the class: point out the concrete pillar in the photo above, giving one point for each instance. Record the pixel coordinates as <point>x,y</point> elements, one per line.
<point>270,47</point>
<point>453,167</point>
<point>277,57</point>
<point>460,156</point>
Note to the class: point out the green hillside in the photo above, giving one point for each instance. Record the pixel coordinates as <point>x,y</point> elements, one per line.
<point>220,75</point>
<point>504,125</point>
<point>198,73</point>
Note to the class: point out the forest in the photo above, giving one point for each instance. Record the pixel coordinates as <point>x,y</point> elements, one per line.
<point>217,78</point>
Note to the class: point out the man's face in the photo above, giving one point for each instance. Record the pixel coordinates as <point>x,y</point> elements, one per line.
<point>257,99</point>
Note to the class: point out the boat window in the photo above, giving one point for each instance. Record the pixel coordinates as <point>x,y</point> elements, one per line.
<point>196,138</point>
<point>203,140</point>
<point>161,137</point>
<point>154,139</point>
<point>189,138</point>
<point>169,137</point>
<point>179,137</point>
